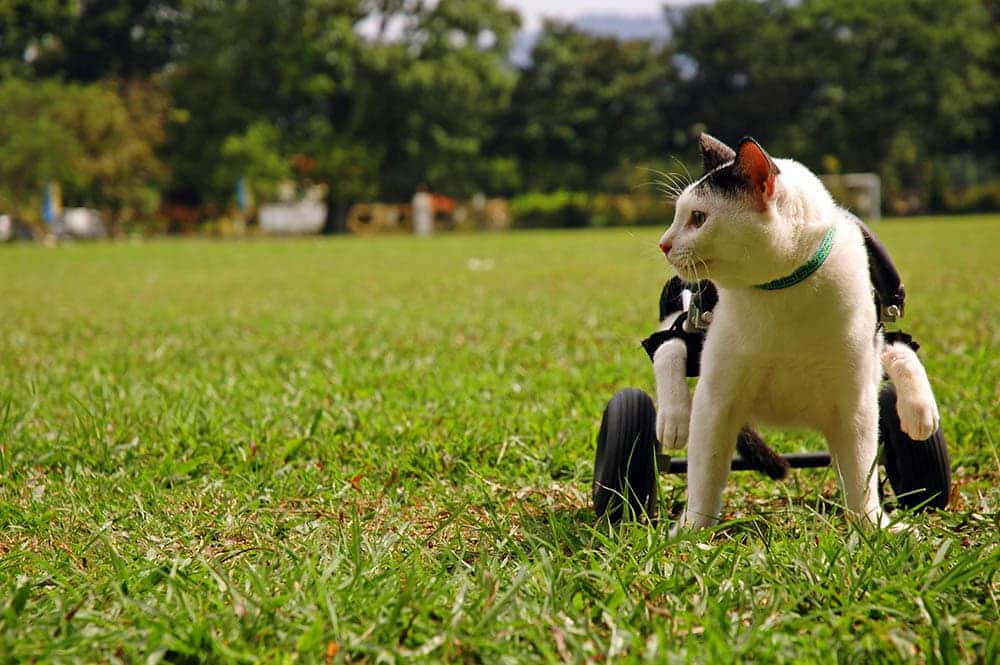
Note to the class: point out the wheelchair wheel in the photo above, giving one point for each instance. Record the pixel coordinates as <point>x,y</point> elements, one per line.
<point>625,462</point>
<point>919,471</point>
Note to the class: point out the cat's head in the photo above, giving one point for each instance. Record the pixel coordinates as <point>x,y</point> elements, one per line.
<point>741,222</point>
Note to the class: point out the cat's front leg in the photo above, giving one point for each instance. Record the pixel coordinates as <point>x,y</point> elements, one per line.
<point>915,403</point>
<point>853,443</point>
<point>673,400</point>
<point>716,420</point>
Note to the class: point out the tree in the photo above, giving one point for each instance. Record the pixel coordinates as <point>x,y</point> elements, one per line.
<point>881,83</point>
<point>27,27</point>
<point>98,143</point>
<point>246,62</point>
<point>450,86</point>
<point>119,128</point>
<point>584,105</point>
<point>893,86</point>
<point>89,41</point>
<point>378,112</point>
<point>255,155</point>
<point>740,72</point>
<point>37,147</point>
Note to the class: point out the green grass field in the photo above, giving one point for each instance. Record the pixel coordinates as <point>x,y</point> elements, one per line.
<point>378,450</point>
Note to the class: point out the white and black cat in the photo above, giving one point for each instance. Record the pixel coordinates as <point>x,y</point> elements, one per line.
<point>794,339</point>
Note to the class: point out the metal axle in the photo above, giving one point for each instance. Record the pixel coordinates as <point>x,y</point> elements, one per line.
<point>668,464</point>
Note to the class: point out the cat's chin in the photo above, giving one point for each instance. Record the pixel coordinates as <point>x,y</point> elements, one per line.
<point>690,276</point>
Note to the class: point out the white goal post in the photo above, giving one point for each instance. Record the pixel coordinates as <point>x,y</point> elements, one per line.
<point>861,193</point>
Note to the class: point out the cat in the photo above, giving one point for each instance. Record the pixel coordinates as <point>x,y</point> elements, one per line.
<point>794,338</point>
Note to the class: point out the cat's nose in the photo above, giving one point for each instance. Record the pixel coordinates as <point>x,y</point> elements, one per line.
<point>665,247</point>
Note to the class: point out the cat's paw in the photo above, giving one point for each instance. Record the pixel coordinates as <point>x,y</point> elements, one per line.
<point>918,415</point>
<point>673,400</point>
<point>915,405</point>
<point>899,525</point>
<point>680,527</point>
<point>879,519</point>
<point>672,419</point>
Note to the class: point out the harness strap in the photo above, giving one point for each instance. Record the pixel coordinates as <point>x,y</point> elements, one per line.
<point>890,296</point>
<point>900,337</point>
<point>692,342</point>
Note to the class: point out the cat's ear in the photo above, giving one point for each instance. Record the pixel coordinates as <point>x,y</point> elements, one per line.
<point>714,152</point>
<point>757,168</point>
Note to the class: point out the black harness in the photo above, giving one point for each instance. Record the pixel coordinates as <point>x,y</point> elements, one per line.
<point>691,324</point>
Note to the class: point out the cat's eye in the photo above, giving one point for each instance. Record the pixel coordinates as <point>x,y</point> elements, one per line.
<point>697,218</point>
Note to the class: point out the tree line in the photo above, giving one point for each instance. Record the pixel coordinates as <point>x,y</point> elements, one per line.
<point>141,108</point>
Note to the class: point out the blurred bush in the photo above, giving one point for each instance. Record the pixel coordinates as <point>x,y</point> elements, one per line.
<point>562,209</point>
<point>977,198</point>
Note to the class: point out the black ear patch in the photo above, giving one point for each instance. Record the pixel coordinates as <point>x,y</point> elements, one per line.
<point>714,153</point>
<point>750,172</point>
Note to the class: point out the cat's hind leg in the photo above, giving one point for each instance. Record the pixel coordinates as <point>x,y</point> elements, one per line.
<point>915,403</point>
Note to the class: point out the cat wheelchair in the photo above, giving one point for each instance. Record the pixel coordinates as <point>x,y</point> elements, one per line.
<point>629,456</point>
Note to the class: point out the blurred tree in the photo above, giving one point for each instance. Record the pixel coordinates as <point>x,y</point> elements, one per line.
<point>118,127</point>
<point>97,142</point>
<point>740,72</point>
<point>444,85</point>
<point>407,96</point>
<point>91,40</point>
<point>379,96</point>
<point>881,86</point>
<point>27,29</point>
<point>256,155</point>
<point>917,67</point>
<point>243,62</point>
<point>586,104</point>
<point>37,147</point>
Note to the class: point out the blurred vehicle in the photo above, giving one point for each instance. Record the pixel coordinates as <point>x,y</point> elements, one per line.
<point>299,218</point>
<point>82,223</point>
<point>11,229</point>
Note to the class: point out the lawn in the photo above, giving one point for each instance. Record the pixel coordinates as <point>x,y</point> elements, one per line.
<point>380,449</point>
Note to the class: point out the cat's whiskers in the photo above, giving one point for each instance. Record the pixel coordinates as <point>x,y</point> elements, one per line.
<point>671,185</point>
<point>693,266</point>
<point>704,265</point>
<point>676,186</point>
<point>683,166</point>
<point>684,179</point>
<point>683,260</point>
<point>671,193</point>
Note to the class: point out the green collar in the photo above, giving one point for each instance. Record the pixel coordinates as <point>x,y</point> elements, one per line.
<point>804,270</point>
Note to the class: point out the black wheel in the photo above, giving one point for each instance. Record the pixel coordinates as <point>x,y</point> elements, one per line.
<point>919,471</point>
<point>625,463</point>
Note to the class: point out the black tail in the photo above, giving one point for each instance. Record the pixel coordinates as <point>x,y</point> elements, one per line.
<point>761,458</point>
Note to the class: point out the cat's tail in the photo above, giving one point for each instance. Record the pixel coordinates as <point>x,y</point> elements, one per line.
<point>761,458</point>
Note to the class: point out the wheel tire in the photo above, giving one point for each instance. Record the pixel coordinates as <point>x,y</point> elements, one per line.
<point>625,462</point>
<point>919,471</point>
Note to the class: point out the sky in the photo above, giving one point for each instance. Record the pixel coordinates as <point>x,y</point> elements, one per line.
<point>532,11</point>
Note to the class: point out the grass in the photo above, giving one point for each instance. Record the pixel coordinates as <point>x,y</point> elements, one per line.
<point>378,450</point>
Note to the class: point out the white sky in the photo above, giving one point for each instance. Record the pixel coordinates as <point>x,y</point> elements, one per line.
<point>532,11</point>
